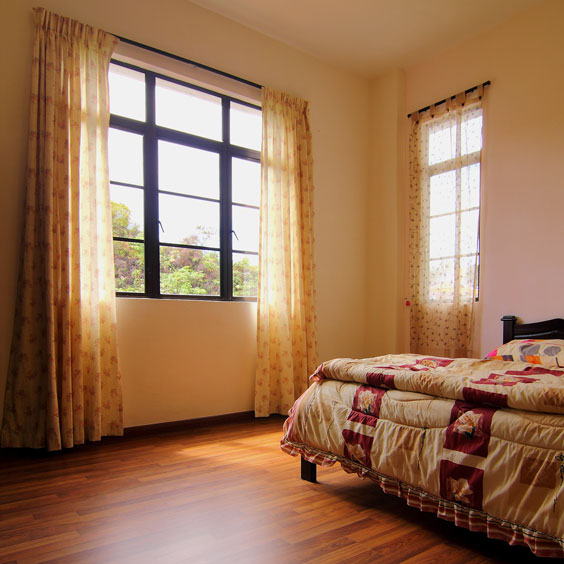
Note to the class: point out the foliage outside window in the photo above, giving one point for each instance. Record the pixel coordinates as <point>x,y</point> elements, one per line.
<point>185,188</point>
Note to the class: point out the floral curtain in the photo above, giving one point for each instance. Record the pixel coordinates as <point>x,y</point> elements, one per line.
<point>287,346</point>
<point>444,215</point>
<point>63,385</point>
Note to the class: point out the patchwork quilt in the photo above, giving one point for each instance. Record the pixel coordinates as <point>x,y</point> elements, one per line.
<point>479,442</point>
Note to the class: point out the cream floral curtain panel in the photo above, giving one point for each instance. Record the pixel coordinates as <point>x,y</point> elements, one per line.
<point>445,156</point>
<point>63,383</point>
<point>287,347</point>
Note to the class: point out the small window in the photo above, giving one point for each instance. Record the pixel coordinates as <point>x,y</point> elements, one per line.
<point>185,188</point>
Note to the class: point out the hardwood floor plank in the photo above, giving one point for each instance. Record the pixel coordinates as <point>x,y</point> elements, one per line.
<point>211,495</point>
<point>13,549</point>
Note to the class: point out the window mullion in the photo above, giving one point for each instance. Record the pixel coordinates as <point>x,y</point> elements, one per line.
<point>152,266</point>
<point>226,220</point>
<point>460,161</point>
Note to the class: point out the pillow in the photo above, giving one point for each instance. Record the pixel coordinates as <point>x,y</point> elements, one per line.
<point>548,352</point>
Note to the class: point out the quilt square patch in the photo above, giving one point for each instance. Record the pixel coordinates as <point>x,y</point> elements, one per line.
<point>536,370</point>
<point>505,379</point>
<point>462,484</point>
<point>368,400</point>
<point>357,447</point>
<point>436,362</point>
<point>362,418</point>
<point>366,405</point>
<point>478,397</point>
<point>469,429</point>
<point>380,380</point>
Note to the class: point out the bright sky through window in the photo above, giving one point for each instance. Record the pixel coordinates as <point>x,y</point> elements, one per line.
<point>127,89</point>
<point>188,110</point>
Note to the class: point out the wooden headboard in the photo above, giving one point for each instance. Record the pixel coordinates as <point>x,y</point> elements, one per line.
<point>550,329</point>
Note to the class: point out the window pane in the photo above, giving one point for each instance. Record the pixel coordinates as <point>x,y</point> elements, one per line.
<point>188,221</point>
<point>246,126</point>
<point>468,232</point>
<point>471,135</point>
<point>129,263</point>
<point>246,182</point>
<point>443,193</point>
<point>467,269</point>
<point>442,144</point>
<point>189,272</point>
<point>185,109</point>
<point>245,275</point>
<point>127,212</point>
<point>246,229</point>
<point>127,92</point>
<point>442,236</point>
<point>126,157</point>
<point>188,171</point>
<point>441,280</point>
<point>470,186</point>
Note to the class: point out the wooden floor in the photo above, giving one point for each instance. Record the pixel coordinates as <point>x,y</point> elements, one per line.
<point>219,494</point>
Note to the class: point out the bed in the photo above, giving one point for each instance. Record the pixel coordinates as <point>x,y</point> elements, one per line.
<point>479,442</point>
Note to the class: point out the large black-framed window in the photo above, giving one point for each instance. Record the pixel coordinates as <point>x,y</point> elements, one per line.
<point>185,188</point>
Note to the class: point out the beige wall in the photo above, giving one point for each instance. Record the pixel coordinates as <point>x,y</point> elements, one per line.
<point>185,359</point>
<point>387,315</point>
<point>523,200</point>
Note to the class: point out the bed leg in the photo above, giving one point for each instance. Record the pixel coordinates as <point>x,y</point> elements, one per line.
<point>309,471</point>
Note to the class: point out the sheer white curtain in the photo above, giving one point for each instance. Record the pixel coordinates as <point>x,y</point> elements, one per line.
<point>63,384</point>
<point>286,339</point>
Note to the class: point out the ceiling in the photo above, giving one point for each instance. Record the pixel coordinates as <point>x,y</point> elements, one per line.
<point>369,36</point>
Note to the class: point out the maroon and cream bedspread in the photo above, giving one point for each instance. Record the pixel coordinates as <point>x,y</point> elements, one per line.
<point>479,442</point>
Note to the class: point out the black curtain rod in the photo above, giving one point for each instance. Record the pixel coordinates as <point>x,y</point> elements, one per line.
<point>487,83</point>
<point>188,61</point>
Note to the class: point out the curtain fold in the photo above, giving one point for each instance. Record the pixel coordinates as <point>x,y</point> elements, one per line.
<point>63,384</point>
<point>444,204</point>
<point>286,335</point>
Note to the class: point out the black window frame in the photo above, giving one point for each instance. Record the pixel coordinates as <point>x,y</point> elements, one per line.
<point>152,134</point>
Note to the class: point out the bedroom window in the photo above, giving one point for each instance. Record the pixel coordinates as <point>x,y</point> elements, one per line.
<point>451,151</point>
<point>185,187</point>
<point>445,149</point>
